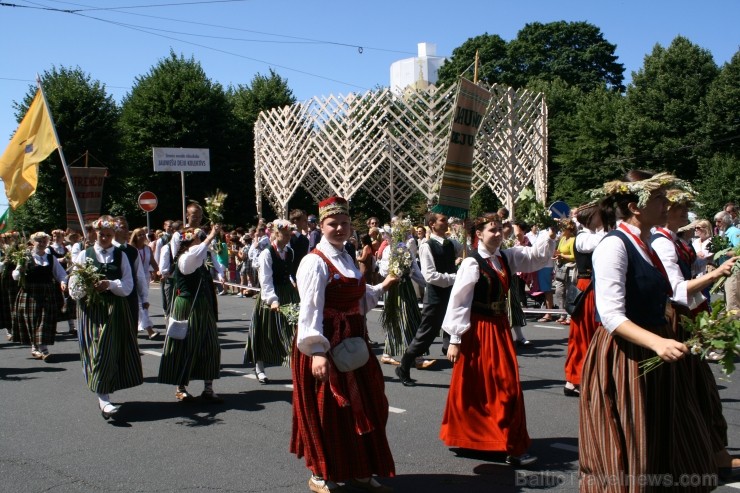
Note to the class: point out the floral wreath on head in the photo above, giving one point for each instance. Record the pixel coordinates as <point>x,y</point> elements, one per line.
<point>642,188</point>
<point>281,225</point>
<point>39,235</point>
<point>682,197</point>
<point>99,224</point>
<point>191,235</point>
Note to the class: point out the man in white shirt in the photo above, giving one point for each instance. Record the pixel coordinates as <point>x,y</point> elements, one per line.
<point>438,257</point>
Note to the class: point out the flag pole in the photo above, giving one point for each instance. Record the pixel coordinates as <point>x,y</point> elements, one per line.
<point>64,161</point>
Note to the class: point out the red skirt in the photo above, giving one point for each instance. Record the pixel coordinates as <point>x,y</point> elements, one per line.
<point>582,328</point>
<point>485,403</point>
<point>325,433</point>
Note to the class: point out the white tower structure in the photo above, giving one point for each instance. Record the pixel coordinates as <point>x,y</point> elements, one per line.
<point>419,71</point>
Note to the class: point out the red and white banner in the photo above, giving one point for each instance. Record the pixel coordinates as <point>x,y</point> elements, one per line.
<point>88,186</point>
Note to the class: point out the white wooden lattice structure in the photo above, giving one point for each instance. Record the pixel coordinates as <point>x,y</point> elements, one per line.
<point>395,146</point>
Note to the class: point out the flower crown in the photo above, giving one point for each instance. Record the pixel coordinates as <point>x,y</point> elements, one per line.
<point>642,188</point>
<point>191,235</point>
<point>99,224</point>
<point>682,197</point>
<point>281,225</point>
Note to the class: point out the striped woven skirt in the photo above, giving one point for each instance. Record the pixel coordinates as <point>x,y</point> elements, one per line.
<point>36,312</point>
<point>108,349</point>
<point>271,336</point>
<point>198,356</point>
<point>401,317</point>
<point>640,433</point>
<point>516,312</point>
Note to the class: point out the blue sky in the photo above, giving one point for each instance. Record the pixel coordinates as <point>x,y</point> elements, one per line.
<point>313,44</point>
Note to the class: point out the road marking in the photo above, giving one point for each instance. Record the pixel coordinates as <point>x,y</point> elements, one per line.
<point>151,353</point>
<point>396,410</point>
<point>733,485</point>
<point>565,446</point>
<point>549,327</point>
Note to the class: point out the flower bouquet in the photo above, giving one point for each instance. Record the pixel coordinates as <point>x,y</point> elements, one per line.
<point>290,311</point>
<point>214,208</point>
<point>401,315</point>
<point>720,257</point>
<point>82,282</point>
<point>19,257</point>
<point>718,330</point>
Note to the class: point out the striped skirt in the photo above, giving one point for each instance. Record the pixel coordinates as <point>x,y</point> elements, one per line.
<point>198,356</point>
<point>36,312</point>
<point>108,349</point>
<point>515,300</point>
<point>401,301</point>
<point>636,431</point>
<point>271,337</point>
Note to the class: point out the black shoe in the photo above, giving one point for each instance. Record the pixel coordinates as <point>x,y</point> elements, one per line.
<point>211,397</point>
<point>405,377</point>
<point>523,460</point>
<point>728,473</point>
<point>109,414</point>
<point>523,342</point>
<point>571,392</point>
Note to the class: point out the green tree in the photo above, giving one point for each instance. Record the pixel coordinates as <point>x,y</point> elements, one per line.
<point>719,164</point>
<point>586,153</point>
<point>176,105</point>
<point>493,61</point>
<point>575,52</point>
<point>660,125</point>
<point>85,117</point>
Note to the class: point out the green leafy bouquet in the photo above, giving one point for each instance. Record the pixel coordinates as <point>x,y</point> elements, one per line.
<point>291,311</point>
<point>721,256</point>
<point>20,257</point>
<point>717,330</point>
<point>532,212</point>
<point>82,282</point>
<point>214,207</point>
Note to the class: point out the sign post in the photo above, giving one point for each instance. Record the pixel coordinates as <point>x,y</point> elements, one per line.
<point>147,202</point>
<point>181,159</point>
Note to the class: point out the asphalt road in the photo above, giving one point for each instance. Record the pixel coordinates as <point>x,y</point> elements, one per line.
<point>54,439</point>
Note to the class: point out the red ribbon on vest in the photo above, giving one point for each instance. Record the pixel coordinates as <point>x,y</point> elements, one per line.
<point>657,263</point>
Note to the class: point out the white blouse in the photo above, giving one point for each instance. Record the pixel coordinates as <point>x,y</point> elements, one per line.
<point>520,259</point>
<point>269,296</point>
<point>610,274</point>
<point>312,278</point>
<point>119,287</point>
<point>666,250</point>
<point>57,270</point>
<point>429,270</point>
<point>193,258</point>
<point>587,240</point>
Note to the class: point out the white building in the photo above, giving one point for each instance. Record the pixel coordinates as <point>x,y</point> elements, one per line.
<point>419,71</point>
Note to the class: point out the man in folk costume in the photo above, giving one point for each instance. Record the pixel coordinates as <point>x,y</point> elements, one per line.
<point>140,293</point>
<point>439,258</point>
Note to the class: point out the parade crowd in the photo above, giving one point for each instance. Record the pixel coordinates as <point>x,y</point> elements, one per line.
<point>625,273</point>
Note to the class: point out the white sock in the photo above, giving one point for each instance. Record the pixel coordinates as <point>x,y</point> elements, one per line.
<point>259,367</point>
<point>519,336</point>
<point>71,324</point>
<point>104,400</point>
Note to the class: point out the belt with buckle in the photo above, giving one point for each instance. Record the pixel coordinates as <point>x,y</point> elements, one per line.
<point>492,308</point>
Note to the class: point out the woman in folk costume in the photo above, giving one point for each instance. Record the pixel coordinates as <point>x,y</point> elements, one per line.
<point>108,349</point>
<point>8,285</point>
<point>271,338</point>
<point>36,304</point>
<point>139,241</point>
<point>198,355</point>
<point>583,320</point>
<point>485,403</point>
<point>636,425</point>
<point>339,418</point>
<point>677,257</point>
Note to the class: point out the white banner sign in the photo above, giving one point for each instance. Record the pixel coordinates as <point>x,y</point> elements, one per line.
<point>181,159</point>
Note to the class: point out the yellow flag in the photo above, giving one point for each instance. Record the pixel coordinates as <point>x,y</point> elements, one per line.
<point>32,143</point>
